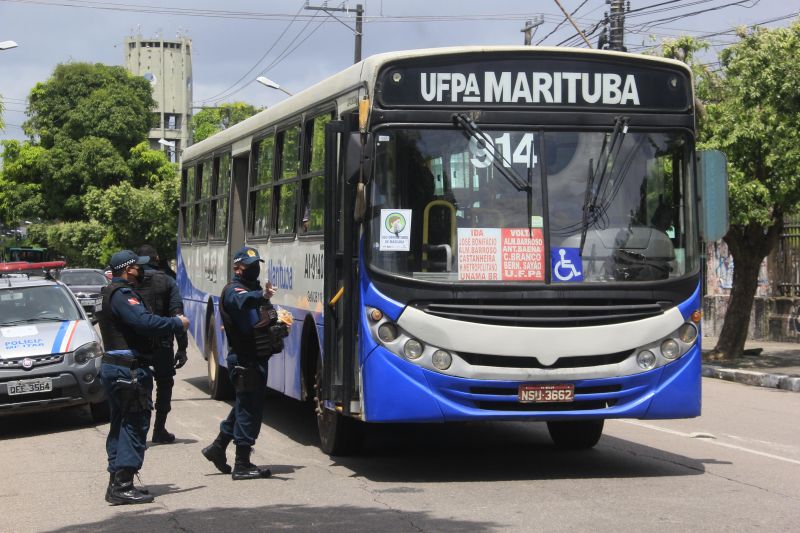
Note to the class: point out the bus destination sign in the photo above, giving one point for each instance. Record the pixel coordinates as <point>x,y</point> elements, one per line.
<point>535,83</point>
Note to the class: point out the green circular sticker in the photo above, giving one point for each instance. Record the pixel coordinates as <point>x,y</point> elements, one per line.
<point>395,223</point>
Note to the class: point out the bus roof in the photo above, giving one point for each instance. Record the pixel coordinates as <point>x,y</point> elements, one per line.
<point>364,74</point>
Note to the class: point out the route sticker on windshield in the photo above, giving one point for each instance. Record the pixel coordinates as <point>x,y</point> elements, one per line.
<point>395,230</point>
<point>566,265</point>
<point>508,254</point>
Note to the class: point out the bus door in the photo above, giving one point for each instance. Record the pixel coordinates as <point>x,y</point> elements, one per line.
<point>341,264</point>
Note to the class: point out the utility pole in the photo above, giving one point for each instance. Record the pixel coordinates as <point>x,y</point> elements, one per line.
<point>616,38</point>
<point>530,28</point>
<point>359,11</point>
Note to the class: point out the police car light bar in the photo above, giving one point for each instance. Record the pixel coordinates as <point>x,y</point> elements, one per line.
<point>22,266</point>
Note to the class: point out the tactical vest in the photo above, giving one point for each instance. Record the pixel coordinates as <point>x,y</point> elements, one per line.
<point>155,292</point>
<point>260,343</point>
<point>117,335</point>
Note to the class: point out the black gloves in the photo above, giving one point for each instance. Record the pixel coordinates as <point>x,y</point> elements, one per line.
<point>180,358</point>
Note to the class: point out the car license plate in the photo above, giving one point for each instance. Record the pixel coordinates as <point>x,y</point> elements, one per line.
<point>561,392</point>
<point>29,386</point>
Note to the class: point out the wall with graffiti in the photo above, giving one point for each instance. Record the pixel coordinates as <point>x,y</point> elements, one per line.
<point>773,317</point>
<point>719,271</point>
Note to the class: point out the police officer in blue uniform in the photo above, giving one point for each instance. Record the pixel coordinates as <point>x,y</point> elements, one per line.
<point>254,333</point>
<point>161,293</point>
<point>128,329</point>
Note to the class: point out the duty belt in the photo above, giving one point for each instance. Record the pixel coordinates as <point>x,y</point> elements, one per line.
<point>121,360</point>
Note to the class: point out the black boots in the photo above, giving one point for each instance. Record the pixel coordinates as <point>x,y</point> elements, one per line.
<point>216,453</point>
<point>160,433</point>
<point>121,490</point>
<point>244,469</point>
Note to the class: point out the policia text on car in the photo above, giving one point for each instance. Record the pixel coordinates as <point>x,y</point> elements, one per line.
<point>128,329</point>
<point>255,331</point>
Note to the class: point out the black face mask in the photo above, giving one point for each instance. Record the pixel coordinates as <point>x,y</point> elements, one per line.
<point>252,272</point>
<point>139,276</point>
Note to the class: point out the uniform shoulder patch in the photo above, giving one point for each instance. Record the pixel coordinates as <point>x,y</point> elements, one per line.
<point>133,301</point>
<point>239,289</point>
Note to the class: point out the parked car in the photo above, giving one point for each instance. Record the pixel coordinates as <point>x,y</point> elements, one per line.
<point>86,284</point>
<point>50,353</point>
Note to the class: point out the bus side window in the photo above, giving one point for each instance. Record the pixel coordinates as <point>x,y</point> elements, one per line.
<point>260,190</point>
<point>286,189</point>
<point>312,203</point>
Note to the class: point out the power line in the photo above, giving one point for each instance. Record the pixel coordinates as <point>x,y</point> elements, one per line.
<point>224,94</point>
<point>540,41</point>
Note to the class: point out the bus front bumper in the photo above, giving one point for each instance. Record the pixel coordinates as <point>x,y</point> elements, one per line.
<point>396,390</point>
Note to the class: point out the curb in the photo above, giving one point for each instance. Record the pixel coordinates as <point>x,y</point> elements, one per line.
<point>749,377</point>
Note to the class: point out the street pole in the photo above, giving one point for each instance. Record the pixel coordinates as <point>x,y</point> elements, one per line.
<point>530,28</point>
<point>359,28</point>
<point>359,10</point>
<point>617,31</point>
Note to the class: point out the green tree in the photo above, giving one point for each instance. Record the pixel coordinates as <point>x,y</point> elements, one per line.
<point>754,119</point>
<point>81,100</point>
<point>87,170</point>
<point>211,120</point>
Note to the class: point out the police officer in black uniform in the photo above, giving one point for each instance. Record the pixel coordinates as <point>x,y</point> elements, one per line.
<point>161,293</point>
<point>254,333</point>
<point>128,329</point>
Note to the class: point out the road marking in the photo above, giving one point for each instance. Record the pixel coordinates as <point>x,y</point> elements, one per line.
<point>709,441</point>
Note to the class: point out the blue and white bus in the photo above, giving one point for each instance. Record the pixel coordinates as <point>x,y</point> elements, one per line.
<point>471,233</point>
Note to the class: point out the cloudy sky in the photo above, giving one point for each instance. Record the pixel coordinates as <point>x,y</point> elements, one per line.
<point>236,40</point>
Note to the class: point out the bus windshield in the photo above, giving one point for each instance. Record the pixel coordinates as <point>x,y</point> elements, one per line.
<point>466,206</point>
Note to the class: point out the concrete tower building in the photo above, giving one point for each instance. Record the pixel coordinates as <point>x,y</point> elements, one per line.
<point>167,65</point>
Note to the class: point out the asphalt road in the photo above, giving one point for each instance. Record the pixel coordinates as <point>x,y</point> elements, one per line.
<point>735,468</point>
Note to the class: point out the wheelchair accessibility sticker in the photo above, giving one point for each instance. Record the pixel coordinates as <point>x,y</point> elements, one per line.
<point>566,263</point>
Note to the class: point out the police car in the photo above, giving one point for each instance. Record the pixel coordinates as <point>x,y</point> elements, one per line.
<point>50,354</point>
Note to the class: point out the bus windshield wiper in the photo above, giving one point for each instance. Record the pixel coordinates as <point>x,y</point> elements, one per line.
<point>591,211</point>
<point>503,166</point>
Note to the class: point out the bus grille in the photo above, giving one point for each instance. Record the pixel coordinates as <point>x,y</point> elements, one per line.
<point>563,314</point>
<point>504,361</point>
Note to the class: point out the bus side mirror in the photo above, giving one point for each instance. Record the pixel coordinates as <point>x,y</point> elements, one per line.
<point>712,174</point>
<point>359,170</point>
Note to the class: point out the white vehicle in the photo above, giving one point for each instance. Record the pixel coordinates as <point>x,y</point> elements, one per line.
<point>50,353</point>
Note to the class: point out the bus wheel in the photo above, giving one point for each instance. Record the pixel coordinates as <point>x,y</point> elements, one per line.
<point>218,383</point>
<point>575,434</point>
<point>338,435</point>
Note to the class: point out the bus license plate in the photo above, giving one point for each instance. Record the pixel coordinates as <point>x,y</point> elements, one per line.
<point>562,392</point>
<point>30,386</point>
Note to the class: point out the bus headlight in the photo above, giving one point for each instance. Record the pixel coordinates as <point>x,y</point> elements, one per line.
<point>408,347</point>
<point>441,359</point>
<point>387,332</point>
<point>646,359</point>
<point>412,349</point>
<point>670,349</point>
<point>687,333</point>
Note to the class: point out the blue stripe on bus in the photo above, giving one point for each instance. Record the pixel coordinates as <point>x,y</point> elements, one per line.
<point>59,337</point>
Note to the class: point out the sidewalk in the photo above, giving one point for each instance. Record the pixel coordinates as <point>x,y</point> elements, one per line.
<point>777,365</point>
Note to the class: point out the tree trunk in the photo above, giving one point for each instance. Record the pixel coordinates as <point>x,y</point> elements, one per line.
<point>749,245</point>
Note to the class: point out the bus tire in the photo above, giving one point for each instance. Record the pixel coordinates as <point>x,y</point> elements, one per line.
<point>219,385</point>
<point>575,434</point>
<point>338,435</point>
